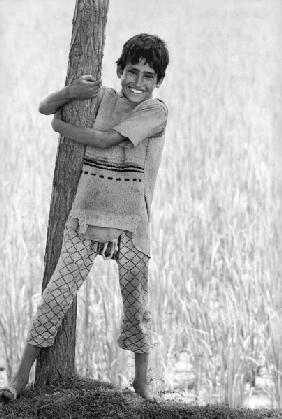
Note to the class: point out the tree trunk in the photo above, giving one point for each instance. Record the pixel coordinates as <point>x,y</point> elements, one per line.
<point>86,52</point>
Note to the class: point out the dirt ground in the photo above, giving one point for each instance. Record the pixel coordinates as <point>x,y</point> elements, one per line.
<point>84,398</point>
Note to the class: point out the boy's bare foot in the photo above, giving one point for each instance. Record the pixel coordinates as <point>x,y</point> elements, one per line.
<point>142,389</point>
<point>20,378</point>
<point>12,391</point>
<point>8,394</point>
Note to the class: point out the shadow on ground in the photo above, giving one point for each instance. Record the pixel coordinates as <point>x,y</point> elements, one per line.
<point>80,398</point>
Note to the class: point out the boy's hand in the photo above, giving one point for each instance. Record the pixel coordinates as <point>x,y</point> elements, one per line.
<point>126,144</point>
<point>56,120</point>
<point>54,124</point>
<point>85,87</point>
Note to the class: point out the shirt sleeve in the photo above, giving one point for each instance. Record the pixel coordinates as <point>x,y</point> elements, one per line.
<point>146,120</point>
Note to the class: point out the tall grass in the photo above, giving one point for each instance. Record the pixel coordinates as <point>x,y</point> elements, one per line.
<point>215,271</point>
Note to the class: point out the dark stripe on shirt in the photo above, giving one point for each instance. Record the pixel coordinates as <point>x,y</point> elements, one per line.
<point>114,167</point>
<point>107,162</point>
<point>115,170</point>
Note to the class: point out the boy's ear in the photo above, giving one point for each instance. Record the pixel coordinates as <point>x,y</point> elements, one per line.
<point>119,71</point>
<point>159,82</point>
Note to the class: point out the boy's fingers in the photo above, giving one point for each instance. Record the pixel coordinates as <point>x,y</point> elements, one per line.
<point>93,87</point>
<point>112,252</point>
<point>87,77</point>
<point>90,79</point>
<point>92,83</point>
<point>116,246</point>
<point>104,251</point>
<point>113,249</point>
<point>95,84</point>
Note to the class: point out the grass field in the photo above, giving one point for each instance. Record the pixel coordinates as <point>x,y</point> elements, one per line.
<point>215,276</point>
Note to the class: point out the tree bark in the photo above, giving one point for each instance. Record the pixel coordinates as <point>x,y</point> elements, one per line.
<point>85,57</point>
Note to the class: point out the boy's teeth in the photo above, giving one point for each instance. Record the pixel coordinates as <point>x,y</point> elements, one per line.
<point>136,91</point>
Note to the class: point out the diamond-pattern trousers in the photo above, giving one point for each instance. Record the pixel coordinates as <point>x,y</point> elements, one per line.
<point>75,262</point>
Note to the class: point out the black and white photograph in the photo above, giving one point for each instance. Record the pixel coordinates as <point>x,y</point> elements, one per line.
<point>141,209</point>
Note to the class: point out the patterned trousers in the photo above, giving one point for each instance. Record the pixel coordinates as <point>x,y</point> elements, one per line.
<point>75,261</point>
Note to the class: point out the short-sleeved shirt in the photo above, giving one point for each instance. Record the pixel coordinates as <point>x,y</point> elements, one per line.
<point>116,185</point>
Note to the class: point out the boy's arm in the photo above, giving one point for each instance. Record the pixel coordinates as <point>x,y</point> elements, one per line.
<point>54,101</point>
<point>83,88</point>
<point>87,136</point>
<point>147,120</point>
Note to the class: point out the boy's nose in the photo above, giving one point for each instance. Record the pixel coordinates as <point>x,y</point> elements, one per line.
<point>138,80</point>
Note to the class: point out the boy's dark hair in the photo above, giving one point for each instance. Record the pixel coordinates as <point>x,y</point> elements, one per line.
<point>149,47</point>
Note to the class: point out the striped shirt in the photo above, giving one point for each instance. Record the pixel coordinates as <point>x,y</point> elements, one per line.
<point>116,185</point>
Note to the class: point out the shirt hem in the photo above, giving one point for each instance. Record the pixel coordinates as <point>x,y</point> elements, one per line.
<point>86,219</point>
<point>95,218</point>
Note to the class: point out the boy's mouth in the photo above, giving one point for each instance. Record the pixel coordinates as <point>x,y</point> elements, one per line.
<point>136,91</point>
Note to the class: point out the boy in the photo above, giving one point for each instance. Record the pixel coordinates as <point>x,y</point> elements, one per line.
<point>110,214</point>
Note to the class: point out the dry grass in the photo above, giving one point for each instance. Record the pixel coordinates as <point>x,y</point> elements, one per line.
<point>215,272</point>
<point>82,398</point>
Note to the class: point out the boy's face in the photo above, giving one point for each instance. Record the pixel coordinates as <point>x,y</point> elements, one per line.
<point>138,81</point>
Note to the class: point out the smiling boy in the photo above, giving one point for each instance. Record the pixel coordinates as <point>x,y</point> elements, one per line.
<point>110,215</point>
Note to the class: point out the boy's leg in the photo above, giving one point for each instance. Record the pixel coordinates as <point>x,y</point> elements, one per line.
<point>140,382</point>
<point>135,333</point>
<point>76,259</point>
<point>20,378</point>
